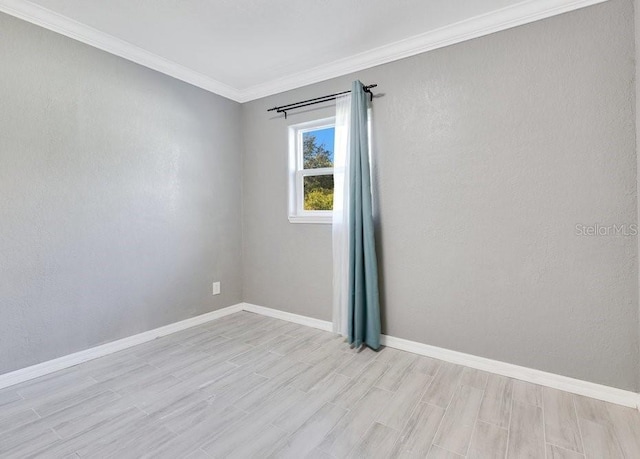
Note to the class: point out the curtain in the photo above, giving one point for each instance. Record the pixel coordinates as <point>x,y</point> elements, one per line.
<point>340,229</point>
<point>358,282</point>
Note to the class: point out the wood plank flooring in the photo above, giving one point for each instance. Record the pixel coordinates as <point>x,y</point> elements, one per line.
<point>251,386</point>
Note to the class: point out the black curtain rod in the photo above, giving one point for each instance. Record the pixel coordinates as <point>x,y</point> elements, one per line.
<point>318,100</point>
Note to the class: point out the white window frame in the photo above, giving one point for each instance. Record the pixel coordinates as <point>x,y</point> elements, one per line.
<point>297,213</point>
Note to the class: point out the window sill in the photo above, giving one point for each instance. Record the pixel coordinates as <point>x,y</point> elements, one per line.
<point>312,219</point>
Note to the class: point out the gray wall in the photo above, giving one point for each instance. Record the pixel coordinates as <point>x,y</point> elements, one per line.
<point>636,6</point>
<point>487,154</point>
<point>120,197</point>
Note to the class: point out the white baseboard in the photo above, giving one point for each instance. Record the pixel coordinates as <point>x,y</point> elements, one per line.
<point>543,378</point>
<point>51,366</point>
<point>289,317</point>
<point>565,383</point>
<point>575,386</point>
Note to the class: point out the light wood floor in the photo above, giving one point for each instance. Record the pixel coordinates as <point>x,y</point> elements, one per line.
<point>250,386</point>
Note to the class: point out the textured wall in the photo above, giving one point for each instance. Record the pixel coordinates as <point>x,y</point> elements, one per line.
<point>636,6</point>
<point>487,153</point>
<point>120,197</point>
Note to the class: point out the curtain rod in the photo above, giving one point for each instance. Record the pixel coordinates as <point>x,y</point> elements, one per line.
<point>318,100</point>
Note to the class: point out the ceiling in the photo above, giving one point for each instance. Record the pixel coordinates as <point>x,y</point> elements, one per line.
<point>245,49</point>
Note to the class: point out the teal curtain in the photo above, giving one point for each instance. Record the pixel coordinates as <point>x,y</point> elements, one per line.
<point>364,303</point>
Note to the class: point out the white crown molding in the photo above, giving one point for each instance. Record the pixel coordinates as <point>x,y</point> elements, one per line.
<point>475,27</point>
<point>478,26</point>
<point>51,20</point>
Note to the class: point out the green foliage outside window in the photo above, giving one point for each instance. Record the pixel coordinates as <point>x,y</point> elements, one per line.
<point>318,190</point>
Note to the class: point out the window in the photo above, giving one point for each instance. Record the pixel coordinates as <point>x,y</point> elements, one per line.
<point>311,171</point>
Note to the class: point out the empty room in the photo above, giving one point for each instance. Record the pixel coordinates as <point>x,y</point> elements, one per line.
<point>319,229</point>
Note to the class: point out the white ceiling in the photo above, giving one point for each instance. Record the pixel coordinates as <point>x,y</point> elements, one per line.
<point>251,48</point>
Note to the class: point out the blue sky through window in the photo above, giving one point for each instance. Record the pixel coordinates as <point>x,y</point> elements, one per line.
<point>324,137</point>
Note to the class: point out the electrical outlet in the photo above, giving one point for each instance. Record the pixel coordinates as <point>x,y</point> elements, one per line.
<point>216,288</point>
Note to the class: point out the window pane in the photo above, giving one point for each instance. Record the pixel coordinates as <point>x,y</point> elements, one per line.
<point>318,192</point>
<point>317,148</point>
